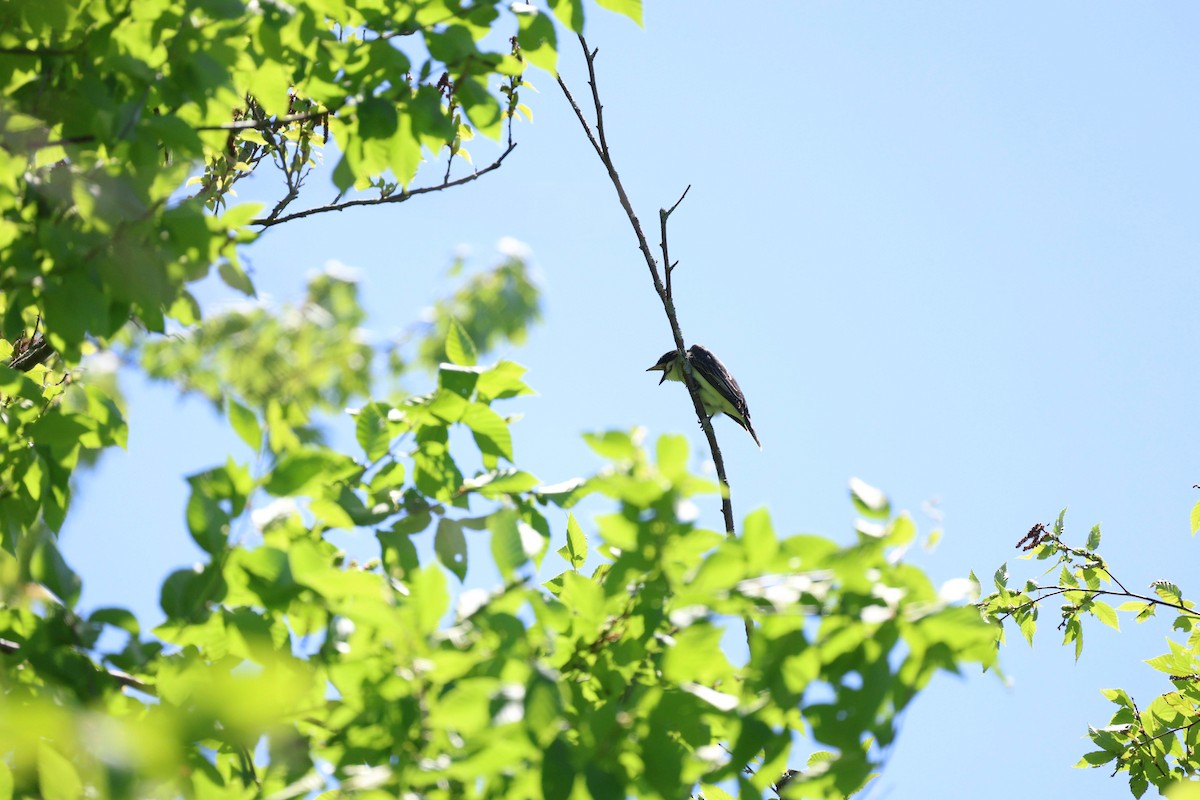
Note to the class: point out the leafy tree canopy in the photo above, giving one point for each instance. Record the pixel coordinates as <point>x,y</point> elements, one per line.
<point>283,668</point>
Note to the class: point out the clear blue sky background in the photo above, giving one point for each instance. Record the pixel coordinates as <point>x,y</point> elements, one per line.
<point>950,248</point>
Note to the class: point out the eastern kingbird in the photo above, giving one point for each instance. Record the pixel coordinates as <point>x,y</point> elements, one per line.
<point>719,392</point>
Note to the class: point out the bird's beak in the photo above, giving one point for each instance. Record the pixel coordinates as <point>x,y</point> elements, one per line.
<point>659,368</point>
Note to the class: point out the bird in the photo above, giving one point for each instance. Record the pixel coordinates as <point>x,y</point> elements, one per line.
<point>719,392</point>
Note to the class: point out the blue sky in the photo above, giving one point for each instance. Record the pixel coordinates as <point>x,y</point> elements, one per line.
<point>950,248</point>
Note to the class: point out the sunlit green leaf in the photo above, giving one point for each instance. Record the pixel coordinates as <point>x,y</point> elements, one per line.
<point>244,423</point>
<point>507,549</point>
<point>630,8</point>
<point>459,347</point>
<point>1105,613</point>
<point>372,431</point>
<point>57,777</point>
<point>490,431</point>
<point>451,547</point>
<point>296,472</point>
<point>575,550</point>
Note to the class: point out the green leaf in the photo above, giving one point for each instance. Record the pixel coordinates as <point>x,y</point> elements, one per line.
<point>1196,518</point>
<point>543,710</point>
<point>116,617</point>
<point>459,347</point>
<point>451,547</point>
<point>299,471</point>
<point>453,45</point>
<point>1067,578</point>
<point>672,455</point>
<point>538,41</point>
<point>570,13</point>
<point>1028,625</point>
<point>1000,579</point>
<point>900,531</point>
<point>434,471</point>
<point>759,541</point>
<point>576,549</point>
<point>372,431</point>
<point>429,597</point>
<point>490,431</point>
<point>869,501</point>
<point>630,8</point>
<point>502,381</point>
<point>695,656</point>
<point>57,777</point>
<point>1105,613</point>
<point>457,380</point>
<point>235,277</point>
<point>48,568</point>
<point>399,554</point>
<point>186,592</point>
<point>270,575</point>
<point>240,215</point>
<point>1073,631</point>
<point>1168,591</point>
<point>207,521</point>
<point>558,771</point>
<point>1096,758</point>
<point>480,105</point>
<point>507,549</point>
<point>613,445</point>
<point>1093,539</point>
<point>499,482</point>
<point>244,422</point>
<point>57,430</point>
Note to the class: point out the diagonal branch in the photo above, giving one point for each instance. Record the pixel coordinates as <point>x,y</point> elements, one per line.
<point>267,222</point>
<point>29,352</point>
<point>599,143</point>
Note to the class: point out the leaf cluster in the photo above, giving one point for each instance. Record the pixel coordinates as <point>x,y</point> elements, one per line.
<point>1156,746</point>
<point>284,667</point>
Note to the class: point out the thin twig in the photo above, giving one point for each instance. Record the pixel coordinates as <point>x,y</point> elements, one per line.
<point>375,201</point>
<point>237,125</point>
<point>668,267</point>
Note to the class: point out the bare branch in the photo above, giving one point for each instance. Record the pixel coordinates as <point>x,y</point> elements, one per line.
<point>267,222</point>
<point>663,216</point>
<point>30,352</point>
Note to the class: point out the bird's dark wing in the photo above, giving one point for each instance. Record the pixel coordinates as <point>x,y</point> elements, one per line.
<point>711,368</point>
<point>721,379</point>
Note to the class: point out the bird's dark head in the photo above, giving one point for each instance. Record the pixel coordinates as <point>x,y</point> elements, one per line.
<point>665,365</point>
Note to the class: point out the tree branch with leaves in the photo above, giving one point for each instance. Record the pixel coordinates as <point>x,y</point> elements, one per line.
<point>1160,745</point>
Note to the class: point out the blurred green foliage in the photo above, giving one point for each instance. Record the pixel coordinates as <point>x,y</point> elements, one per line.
<point>282,669</point>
